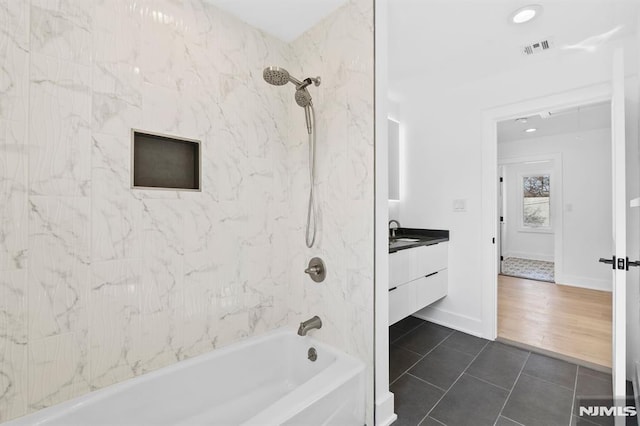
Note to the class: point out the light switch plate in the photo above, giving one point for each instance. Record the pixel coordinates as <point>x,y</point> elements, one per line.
<point>460,205</point>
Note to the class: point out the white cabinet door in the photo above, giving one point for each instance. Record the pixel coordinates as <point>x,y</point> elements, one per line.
<point>430,259</point>
<point>401,267</point>
<point>401,302</point>
<point>431,288</point>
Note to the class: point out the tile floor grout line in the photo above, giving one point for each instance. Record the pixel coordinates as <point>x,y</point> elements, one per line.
<point>435,420</point>
<point>575,389</point>
<point>510,419</point>
<point>547,381</point>
<point>454,383</point>
<point>409,350</point>
<point>487,382</point>
<point>405,332</point>
<point>424,381</point>
<point>513,386</point>
<point>414,364</point>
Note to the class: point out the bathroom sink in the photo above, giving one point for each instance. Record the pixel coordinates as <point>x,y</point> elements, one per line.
<point>402,242</point>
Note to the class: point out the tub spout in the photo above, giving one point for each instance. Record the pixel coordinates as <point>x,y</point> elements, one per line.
<point>309,324</point>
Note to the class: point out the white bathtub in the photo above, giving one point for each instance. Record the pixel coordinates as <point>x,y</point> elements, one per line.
<point>265,380</point>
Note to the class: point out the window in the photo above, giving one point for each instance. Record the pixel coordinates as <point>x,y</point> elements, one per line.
<point>536,208</point>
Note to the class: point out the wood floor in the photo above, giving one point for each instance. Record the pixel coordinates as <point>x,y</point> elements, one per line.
<point>572,321</point>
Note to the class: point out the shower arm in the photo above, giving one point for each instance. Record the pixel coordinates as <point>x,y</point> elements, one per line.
<point>306,82</point>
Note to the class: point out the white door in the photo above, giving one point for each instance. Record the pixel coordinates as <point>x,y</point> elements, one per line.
<point>619,228</point>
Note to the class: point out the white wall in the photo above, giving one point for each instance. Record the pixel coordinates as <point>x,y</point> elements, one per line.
<point>586,198</point>
<point>99,282</point>
<point>444,159</point>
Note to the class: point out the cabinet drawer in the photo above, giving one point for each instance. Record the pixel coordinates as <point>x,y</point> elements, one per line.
<point>401,302</point>
<point>429,259</point>
<point>411,264</point>
<point>401,267</point>
<point>431,288</point>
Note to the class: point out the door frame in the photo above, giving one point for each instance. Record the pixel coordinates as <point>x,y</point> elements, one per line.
<point>570,99</point>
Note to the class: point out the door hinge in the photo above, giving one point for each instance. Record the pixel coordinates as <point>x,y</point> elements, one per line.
<point>500,179</point>
<point>501,218</point>
<point>493,240</point>
<point>501,258</point>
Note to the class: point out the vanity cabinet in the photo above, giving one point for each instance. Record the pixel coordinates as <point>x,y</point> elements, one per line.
<point>417,278</point>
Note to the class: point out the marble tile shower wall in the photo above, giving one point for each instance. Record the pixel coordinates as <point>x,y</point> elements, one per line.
<point>339,49</point>
<point>98,282</point>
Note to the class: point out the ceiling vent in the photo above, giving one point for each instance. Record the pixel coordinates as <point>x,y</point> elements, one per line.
<point>537,47</point>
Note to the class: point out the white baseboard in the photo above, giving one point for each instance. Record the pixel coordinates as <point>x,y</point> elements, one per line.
<point>584,282</point>
<point>384,410</point>
<point>533,256</point>
<point>453,320</point>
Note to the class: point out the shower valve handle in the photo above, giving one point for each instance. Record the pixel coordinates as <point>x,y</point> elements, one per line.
<point>316,270</point>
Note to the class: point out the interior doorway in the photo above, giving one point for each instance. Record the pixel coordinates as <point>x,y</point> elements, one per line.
<point>554,208</point>
<point>530,217</point>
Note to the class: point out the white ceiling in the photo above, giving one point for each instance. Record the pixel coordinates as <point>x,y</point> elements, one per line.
<point>284,19</point>
<point>449,41</point>
<point>573,120</point>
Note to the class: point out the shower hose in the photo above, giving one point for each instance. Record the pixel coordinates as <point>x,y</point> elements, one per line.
<point>310,234</point>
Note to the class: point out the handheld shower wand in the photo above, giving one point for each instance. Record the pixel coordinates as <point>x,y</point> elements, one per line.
<point>280,77</point>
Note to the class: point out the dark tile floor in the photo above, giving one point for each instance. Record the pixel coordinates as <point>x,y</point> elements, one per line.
<point>443,377</point>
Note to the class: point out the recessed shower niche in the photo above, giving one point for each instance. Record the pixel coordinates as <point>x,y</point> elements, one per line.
<point>165,162</point>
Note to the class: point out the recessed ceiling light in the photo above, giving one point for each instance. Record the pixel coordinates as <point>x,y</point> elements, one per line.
<point>531,130</point>
<point>526,14</point>
<point>522,120</point>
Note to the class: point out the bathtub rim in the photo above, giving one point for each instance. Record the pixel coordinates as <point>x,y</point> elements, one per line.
<point>343,363</point>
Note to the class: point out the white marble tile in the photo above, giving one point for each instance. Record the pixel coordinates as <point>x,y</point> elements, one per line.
<point>114,322</point>
<point>117,76</point>
<point>116,214</point>
<point>163,50</point>
<point>13,379</point>
<point>162,227</point>
<point>162,305</point>
<point>201,315</point>
<point>13,344</point>
<point>58,369</point>
<point>62,29</point>
<point>13,193</point>
<point>201,221</point>
<point>13,307</point>
<point>59,128</point>
<point>14,68</point>
<point>117,29</point>
<point>113,114</point>
<point>59,237</point>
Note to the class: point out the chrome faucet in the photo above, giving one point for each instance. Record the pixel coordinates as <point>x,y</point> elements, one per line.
<point>309,324</point>
<point>392,231</point>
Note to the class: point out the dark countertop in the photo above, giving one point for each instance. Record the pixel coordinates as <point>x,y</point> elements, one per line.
<point>425,237</point>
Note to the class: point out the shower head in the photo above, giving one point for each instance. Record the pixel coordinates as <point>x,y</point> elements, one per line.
<point>303,97</point>
<point>278,76</point>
